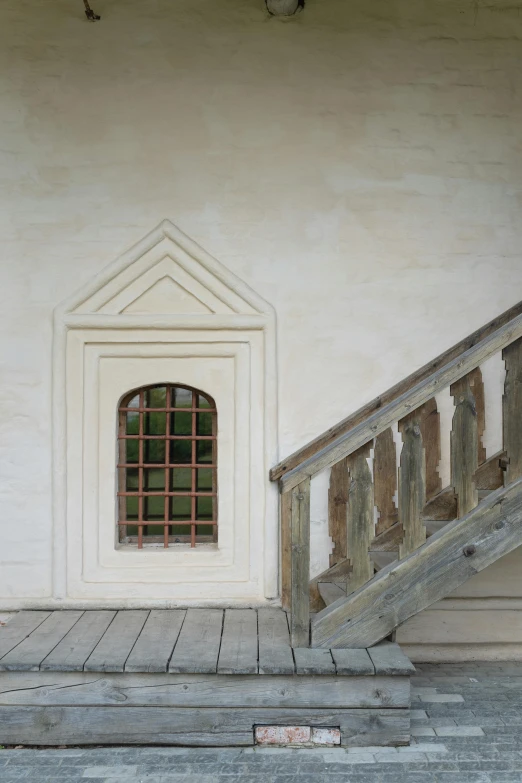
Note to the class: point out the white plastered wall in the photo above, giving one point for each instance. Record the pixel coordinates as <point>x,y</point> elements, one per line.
<point>358,166</point>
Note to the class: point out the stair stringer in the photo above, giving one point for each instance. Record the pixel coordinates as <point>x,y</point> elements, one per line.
<point>404,588</point>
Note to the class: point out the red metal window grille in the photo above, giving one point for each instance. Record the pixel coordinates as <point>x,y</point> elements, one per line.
<point>167,466</point>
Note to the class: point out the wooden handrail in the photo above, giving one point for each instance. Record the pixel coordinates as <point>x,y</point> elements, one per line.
<point>420,388</point>
<point>332,436</point>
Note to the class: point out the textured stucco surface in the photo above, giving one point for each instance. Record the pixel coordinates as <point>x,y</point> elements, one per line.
<point>358,165</point>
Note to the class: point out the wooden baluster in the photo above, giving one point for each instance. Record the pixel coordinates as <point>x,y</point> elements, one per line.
<point>300,555</point>
<point>360,528</point>
<point>385,480</point>
<point>337,503</point>
<point>286,550</point>
<point>480,404</point>
<point>430,428</point>
<point>465,443</point>
<point>412,483</point>
<point>512,410</point>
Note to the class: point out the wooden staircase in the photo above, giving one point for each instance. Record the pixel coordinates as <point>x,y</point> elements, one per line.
<point>434,538</point>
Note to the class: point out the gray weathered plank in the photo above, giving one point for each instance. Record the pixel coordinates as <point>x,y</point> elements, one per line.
<point>512,410</point>
<point>388,658</point>
<point>490,475</point>
<point>155,644</point>
<point>300,537</point>
<point>209,690</point>
<point>275,653</point>
<point>197,648</point>
<point>353,662</point>
<point>313,661</point>
<point>431,384</point>
<point>74,649</point>
<point>29,654</point>
<point>19,628</point>
<point>412,483</point>
<point>238,653</point>
<point>190,726</point>
<point>115,645</point>
<point>464,444</point>
<point>430,428</point>
<point>360,520</point>
<point>338,573</point>
<point>450,557</point>
<point>443,506</point>
<point>330,592</point>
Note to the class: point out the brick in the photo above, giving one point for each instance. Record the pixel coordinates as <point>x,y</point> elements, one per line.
<point>322,736</point>
<point>282,735</point>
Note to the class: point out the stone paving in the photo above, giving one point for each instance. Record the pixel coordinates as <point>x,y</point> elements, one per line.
<point>467,728</point>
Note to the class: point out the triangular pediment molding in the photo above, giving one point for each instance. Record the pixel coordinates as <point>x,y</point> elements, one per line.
<point>165,274</point>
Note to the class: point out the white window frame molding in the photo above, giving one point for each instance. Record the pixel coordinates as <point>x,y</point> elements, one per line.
<point>104,346</point>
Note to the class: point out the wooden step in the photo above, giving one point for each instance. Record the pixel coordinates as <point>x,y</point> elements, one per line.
<point>200,677</point>
<point>331,592</point>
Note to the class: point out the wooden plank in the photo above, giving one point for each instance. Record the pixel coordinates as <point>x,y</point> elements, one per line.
<point>338,573</point>
<point>512,410</point>
<point>117,642</point>
<point>372,425</point>
<point>360,520</point>
<point>385,480</point>
<point>412,484</point>
<point>155,644</point>
<point>300,604</point>
<point>353,662</point>
<point>464,445</point>
<point>490,475</point>
<point>29,654</point>
<point>388,658</point>
<point>502,323</point>
<point>190,726</point>
<point>330,592</point>
<point>337,505</point>
<point>389,540</point>
<point>238,653</point>
<point>210,690</point>
<point>450,557</point>
<point>286,550</point>
<point>197,648</point>
<point>442,506</point>
<point>275,653</point>
<point>74,649</point>
<point>310,661</point>
<point>19,628</point>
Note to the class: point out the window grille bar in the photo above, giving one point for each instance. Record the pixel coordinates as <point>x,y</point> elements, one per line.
<point>170,465</point>
<point>164,437</point>
<point>171,522</point>
<point>140,473</point>
<point>166,501</point>
<point>193,501</point>
<point>168,410</point>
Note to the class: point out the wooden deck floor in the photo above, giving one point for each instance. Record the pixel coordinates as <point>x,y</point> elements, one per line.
<point>189,677</point>
<point>192,641</point>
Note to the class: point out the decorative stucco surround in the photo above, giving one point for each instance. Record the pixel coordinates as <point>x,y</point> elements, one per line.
<point>165,311</point>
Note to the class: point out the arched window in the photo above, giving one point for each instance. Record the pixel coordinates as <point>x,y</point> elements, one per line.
<point>167,466</point>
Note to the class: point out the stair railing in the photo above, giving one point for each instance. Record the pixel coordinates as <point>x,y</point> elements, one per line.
<point>354,491</point>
